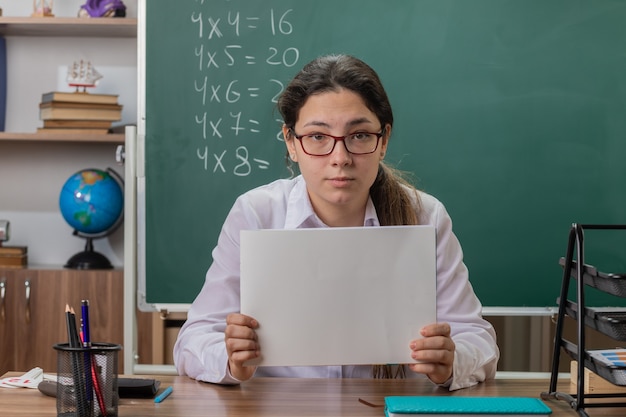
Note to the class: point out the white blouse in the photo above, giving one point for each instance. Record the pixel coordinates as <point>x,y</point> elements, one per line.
<point>200,351</point>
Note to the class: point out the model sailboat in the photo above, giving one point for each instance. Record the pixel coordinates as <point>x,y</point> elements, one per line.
<point>82,74</point>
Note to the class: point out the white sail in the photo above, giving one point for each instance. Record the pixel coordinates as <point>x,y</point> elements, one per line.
<point>82,74</point>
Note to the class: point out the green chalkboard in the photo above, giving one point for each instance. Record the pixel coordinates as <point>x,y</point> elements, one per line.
<point>511,112</point>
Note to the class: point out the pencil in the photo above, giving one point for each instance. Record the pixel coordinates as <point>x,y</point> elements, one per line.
<point>75,341</point>
<point>68,319</point>
<point>71,327</point>
<point>97,388</point>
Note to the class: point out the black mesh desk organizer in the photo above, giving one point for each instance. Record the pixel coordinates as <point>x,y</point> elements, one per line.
<point>610,323</point>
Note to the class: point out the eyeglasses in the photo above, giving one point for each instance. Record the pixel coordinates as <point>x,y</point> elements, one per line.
<point>358,143</point>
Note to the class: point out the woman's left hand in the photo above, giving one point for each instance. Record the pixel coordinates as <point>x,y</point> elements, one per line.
<point>434,353</point>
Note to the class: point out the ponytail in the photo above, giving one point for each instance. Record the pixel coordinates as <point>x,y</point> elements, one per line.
<point>395,199</point>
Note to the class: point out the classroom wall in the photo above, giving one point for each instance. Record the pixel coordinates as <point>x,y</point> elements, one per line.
<point>32,174</point>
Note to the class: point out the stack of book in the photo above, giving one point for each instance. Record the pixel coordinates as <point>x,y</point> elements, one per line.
<point>78,112</point>
<point>13,256</point>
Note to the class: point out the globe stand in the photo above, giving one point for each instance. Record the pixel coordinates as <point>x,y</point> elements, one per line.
<point>88,259</point>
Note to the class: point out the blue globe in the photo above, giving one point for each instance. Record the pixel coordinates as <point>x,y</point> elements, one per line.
<point>92,201</point>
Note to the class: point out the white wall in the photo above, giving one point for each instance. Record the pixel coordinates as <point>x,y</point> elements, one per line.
<point>32,173</point>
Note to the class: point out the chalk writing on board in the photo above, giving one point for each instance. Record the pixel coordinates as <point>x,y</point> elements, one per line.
<point>225,124</point>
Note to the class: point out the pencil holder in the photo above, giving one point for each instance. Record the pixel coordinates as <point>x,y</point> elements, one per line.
<point>87,380</point>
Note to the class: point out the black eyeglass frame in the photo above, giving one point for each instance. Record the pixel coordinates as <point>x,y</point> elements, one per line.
<point>337,139</point>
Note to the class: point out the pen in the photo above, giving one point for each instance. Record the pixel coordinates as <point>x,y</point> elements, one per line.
<point>86,341</point>
<point>164,394</point>
<point>85,323</point>
<point>90,363</point>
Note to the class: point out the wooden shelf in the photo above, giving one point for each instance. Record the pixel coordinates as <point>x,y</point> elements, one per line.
<point>105,27</point>
<point>65,137</point>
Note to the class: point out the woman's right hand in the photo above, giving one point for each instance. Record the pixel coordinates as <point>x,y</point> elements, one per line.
<point>241,344</point>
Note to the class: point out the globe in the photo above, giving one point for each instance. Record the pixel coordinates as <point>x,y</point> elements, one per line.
<point>92,203</point>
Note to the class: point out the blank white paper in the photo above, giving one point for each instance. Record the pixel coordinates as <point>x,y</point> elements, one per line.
<point>338,296</point>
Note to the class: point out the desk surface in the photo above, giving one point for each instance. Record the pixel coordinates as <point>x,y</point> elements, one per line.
<point>286,397</point>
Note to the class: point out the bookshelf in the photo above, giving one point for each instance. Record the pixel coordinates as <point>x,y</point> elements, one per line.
<point>69,26</point>
<point>66,27</point>
<point>42,161</point>
<point>115,138</point>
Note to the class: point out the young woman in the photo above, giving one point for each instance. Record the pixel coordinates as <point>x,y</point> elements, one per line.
<point>337,126</point>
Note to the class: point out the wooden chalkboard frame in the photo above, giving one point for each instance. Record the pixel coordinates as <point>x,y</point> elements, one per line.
<point>510,112</point>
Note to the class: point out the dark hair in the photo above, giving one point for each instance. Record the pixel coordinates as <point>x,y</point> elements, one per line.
<point>391,193</point>
<point>331,73</point>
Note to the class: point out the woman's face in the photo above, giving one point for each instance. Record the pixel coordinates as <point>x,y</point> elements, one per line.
<point>340,179</point>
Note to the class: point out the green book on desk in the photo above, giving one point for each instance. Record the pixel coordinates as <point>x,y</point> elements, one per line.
<point>465,406</point>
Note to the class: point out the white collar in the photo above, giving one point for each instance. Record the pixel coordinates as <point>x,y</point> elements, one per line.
<point>300,213</point>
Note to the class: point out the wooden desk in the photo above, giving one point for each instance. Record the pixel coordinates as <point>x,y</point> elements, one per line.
<point>285,397</point>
